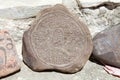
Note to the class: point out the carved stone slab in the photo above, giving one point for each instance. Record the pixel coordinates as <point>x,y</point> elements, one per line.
<point>8,55</point>
<point>107,46</point>
<point>57,40</point>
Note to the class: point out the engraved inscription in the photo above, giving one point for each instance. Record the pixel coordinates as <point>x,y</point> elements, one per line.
<point>54,41</point>
<point>9,45</point>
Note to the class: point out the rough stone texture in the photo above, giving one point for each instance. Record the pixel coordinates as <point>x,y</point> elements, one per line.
<point>14,3</point>
<point>21,12</point>
<point>61,42</point>
<point>71,4</point>
<point>12,9</point>
<point>91,71</point>
<point>99,19</point>
<point>106,46</point>
<point>89,3</point>
<point>9,62</point>
<point>16,29</point>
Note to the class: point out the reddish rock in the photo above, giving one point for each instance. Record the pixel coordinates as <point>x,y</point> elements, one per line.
<point>107,46</point>
<point>57,40</point>
<point>8,55</point>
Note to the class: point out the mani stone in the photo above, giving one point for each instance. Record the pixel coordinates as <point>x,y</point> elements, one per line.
<point>8,55</point>
<point>58,41</point>
<point>107,46</point>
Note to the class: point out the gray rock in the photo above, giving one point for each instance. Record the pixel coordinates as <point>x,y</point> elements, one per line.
<point>21,12</point>
<point>89,3</point>
<point>107,46</point>
<point>100,19</point>
<point>70,4</point>
<point>14,9</point>
<point>29,3</point>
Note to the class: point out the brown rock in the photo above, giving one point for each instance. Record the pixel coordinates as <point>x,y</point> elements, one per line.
<point>8,56</point>
<point>57,40</point>
<point>107,46</point>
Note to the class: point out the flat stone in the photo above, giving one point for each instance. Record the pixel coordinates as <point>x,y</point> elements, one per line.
<point>21,12</point>
<point>57,40</point>
<point>13,9</point>
<point>29,3</point>
<point>89,3</point>
<point>107,46</point>
<point>9,62</point>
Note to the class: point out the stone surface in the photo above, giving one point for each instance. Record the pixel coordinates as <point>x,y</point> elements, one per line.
<point>71,4</point>
<point>97,19</point>
<point>21,12</point>
<point>100,19</point>
<point>91,71</point>
<point>89,3</point>
<point>16,29</point>
<point>57,42</point>
<point>33,3</point>
<point>12,9</point>
<point>116,1</point>
<point>106,46</point>
<point>9,62</point>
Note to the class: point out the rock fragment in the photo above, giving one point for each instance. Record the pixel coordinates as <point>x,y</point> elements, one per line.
<point>107,46</point>
<point>12,9</point>
<point>9,62</point>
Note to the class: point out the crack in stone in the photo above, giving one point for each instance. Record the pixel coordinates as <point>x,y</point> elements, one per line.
<point>108,5</point>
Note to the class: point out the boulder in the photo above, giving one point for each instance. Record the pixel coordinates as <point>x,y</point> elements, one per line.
<point>107,46</point>
<point>57,40</point>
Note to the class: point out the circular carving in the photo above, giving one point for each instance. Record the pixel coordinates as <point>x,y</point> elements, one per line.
<point>9,45</point>
<point>55,39</point>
